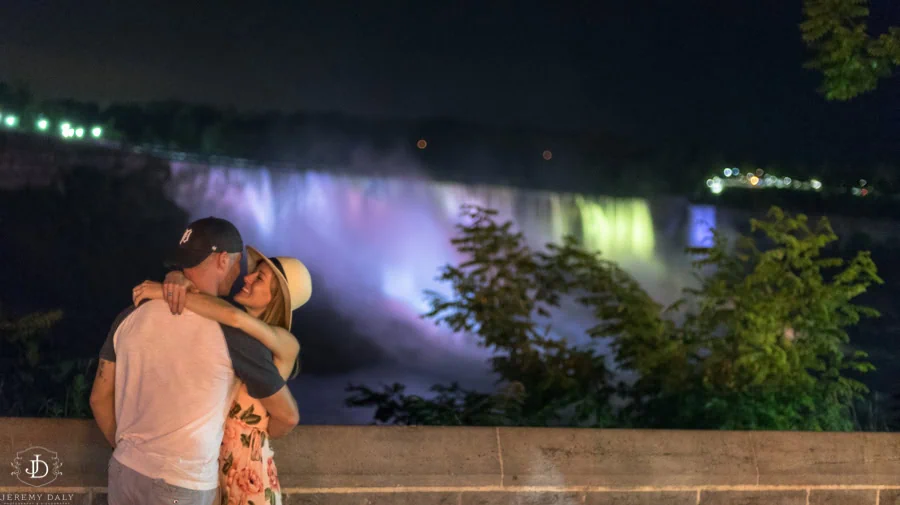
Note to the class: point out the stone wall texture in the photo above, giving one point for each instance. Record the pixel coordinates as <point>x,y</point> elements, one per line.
<point>372,465</point>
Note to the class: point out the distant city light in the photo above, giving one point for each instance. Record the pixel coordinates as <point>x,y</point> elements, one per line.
<point>815,184</point>
<point>96,132</point>
<point>547,155</point>
<point>754,180</point>
<point>11,121</point>
<point>727,172</point>
<point>421,144</point>
<point>43,124</point>
<point>79,132</point>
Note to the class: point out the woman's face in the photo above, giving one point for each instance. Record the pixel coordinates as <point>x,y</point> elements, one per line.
<point>257,291</point>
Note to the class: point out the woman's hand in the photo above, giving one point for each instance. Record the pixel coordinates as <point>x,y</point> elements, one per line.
<point>176,287</point>
<point>147,290</point>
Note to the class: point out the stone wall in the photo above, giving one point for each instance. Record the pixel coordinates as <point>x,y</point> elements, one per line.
<point>490,466</point>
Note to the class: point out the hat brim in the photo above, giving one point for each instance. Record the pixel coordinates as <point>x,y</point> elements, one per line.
<point>254,258</point>
<point>186,258</point>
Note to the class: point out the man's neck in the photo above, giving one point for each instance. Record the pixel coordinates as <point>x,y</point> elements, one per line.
<point>204,280</point>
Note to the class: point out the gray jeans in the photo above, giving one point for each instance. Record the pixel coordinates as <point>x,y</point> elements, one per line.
<point>127,487</point>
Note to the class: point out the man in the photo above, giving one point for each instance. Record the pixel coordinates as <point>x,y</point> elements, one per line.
<point>165,382</point>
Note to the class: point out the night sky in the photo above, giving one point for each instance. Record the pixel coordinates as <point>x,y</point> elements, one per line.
<point>719,73</point>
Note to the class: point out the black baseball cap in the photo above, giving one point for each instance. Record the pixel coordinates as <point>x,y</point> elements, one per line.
<point>202,238</point>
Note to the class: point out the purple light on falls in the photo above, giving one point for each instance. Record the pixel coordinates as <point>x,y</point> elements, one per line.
<point>374,245</point>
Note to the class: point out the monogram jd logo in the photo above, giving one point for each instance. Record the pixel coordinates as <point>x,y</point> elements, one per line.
<point>36,466</point>
<point>186,236</point>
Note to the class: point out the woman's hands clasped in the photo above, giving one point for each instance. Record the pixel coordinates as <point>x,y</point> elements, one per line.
<point>147,290</point>
<point>173,290</point>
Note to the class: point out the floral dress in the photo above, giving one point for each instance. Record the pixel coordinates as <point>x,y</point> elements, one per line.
<point>247,474</point>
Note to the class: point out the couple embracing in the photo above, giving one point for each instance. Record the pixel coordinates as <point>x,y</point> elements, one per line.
<point>189,399</point>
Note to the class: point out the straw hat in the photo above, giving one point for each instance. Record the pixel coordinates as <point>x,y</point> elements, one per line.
<point>293,279</point>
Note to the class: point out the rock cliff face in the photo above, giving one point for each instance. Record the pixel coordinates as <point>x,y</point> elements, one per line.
<point>35,161</point>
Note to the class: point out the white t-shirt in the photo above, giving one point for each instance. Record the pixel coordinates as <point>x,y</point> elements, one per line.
<point>175,380</point>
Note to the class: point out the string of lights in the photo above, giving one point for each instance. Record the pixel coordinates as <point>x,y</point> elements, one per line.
<point>43,125</point>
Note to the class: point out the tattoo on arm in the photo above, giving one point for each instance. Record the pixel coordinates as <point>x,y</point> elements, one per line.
<point>100,366</point>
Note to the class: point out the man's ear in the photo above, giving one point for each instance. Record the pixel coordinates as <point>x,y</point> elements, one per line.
<point>222,261</point>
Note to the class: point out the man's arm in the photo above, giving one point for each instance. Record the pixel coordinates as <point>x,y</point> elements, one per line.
<point>253,364</point>
<point>283,412</point>
<point>103,392</point>
<point>103,399</point>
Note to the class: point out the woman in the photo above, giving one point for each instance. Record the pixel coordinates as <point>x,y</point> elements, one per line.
<point>272,291</point>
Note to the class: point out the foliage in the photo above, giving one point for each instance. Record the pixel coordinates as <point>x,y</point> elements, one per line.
<point>850,59</point>
<point>760,343</point>
<point>501,293</point>
<point>35,381</point>
<point>451,406</point>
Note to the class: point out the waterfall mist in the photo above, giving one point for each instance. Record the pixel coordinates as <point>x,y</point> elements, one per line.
<point>374,245</point>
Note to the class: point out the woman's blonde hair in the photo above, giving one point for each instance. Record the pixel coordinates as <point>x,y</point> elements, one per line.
<point>274,316</point>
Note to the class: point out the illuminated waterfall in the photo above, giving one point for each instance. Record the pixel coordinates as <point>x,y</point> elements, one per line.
<point>702,221</point>
<point>393,234</point>
<point>376,244</point>
<point>619,228</point>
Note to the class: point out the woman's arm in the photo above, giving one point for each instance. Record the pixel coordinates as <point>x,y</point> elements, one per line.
<point>281,342</point>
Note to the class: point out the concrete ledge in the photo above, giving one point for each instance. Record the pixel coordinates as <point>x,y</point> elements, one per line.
<point>375,456</point>
<point>344,465</point>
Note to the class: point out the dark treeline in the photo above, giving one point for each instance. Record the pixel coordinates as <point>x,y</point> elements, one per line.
<point>602,161</point>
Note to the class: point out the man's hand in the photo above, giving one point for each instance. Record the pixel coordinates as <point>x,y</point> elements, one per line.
<point>283,413</point>
<point>175,289</point>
